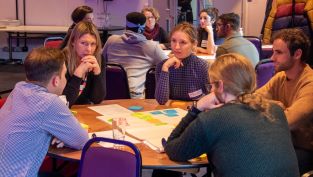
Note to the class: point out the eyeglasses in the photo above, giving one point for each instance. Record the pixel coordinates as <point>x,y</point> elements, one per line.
<point>210,85</point>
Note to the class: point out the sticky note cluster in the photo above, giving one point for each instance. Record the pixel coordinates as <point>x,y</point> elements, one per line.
<point>167,112</point>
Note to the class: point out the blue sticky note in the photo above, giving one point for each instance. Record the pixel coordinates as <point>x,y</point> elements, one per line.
<point>156,112</point>
<point>171,115</point>
<point>170,111</point>
<point>135,108</point>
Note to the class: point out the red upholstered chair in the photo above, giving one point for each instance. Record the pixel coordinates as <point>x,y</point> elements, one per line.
<point>98,161</point>
<point>53,42</point>
<point>3,99</point>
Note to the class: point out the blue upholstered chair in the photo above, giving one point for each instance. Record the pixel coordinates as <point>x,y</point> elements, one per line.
<point>98,161</point>
<point>264,71</point>
<point>150,84</point>
<point>116,82</point>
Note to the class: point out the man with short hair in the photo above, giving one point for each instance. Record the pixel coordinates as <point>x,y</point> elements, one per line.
<point>33,114</point>
<point>292,87</point>
<point>227,26</point>
<point>134,52</point>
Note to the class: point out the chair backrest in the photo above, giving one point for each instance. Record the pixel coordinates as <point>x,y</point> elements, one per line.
<point>264,71</point>
<point>150,84</point>
<point>116,82</point>
<point>2,100</point>
<point>256,41</point>
<point>53,42</point>
<point>99,161</point>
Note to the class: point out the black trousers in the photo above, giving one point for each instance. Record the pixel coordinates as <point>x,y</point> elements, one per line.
<point>305,160</point>
<point>166,173</point>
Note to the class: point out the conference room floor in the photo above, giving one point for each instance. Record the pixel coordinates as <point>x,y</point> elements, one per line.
<point>10,75</point>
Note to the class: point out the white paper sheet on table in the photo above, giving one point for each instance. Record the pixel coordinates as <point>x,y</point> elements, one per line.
<point>152,136</point>
<point>167,52</point>
<point>207,57</point>
<point>109,134</point>
<point>151,131</point>
<point>269,46</point>
<point>110,110</point>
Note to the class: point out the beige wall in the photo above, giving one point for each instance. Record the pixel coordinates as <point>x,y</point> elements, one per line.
<point>252,13</point>
<point>57,12</point>
<point>254,16</point>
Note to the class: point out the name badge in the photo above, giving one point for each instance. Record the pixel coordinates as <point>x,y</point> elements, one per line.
<point>195,93</point>
<point>204,43</point>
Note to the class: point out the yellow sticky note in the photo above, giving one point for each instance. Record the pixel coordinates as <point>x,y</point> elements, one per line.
<point>74,112</point>
<point>203,156</point>
<point>84,126</point>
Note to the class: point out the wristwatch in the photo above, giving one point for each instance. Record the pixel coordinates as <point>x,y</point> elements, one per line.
<point>194,110</point>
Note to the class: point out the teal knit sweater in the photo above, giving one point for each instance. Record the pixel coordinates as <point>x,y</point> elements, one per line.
<point>238,140</point>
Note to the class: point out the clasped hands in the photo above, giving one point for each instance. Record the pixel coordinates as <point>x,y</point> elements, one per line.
<point>87,64</point>
<point>57,142</point>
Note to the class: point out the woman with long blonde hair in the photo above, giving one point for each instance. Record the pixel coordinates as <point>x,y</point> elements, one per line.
<point>183,76</point>
<point>85,68</point>
<point>241,133</point>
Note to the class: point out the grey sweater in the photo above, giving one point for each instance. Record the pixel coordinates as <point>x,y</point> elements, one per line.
<point>136,54</point>
<point>239,141</point>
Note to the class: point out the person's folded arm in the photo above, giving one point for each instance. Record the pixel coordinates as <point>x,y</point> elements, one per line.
<point>60,123</point>
<point>98,91</point>
<point>71,89</point>
<point>162,85</point>
<point>188,139</point>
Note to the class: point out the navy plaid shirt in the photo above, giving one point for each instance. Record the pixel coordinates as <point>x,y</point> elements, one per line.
<point>185,83</point>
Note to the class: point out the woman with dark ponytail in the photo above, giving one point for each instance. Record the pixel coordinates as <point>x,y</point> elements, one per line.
<point>242,133</point>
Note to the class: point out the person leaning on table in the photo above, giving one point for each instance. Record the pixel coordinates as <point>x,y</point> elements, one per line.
<point>33,114</point>
<point>207,37</point>
<point>183,76</point>
<point>242,133</point>
<point>85,67</point>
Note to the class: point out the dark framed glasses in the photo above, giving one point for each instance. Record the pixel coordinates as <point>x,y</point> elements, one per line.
<point>210,85</point>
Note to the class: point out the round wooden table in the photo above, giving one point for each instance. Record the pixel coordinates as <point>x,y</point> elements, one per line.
<point>150,158</point>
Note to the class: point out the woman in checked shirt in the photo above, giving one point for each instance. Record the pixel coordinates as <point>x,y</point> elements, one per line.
<point>183,76</point>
